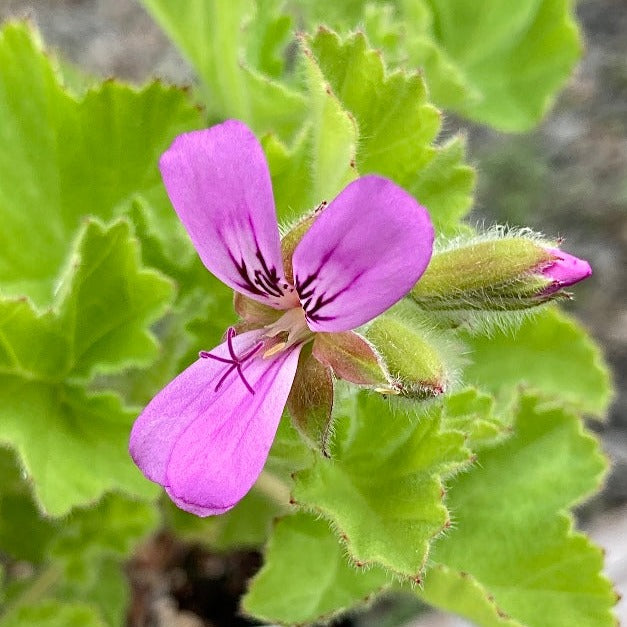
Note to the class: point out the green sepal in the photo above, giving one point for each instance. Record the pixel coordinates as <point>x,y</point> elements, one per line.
<point>310,402</point>
<point>352,358</point>
<point>254,312</point>
<point>292,238</point>
<point>495,273</point>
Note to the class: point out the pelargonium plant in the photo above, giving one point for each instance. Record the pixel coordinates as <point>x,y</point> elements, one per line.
<point>395,401</point>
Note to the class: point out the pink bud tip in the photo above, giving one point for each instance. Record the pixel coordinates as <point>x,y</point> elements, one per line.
<point>565,269</point>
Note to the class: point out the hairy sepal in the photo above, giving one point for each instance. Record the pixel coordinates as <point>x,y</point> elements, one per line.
<point>310,402</point>
<point>352,358</point>
<point>494,273</point>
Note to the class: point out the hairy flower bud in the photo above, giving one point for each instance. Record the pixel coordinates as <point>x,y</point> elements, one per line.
<point>502,273</point>
<point>416,363</point>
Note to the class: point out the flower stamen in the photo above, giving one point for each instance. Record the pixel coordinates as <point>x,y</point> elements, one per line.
<point>277,348</point>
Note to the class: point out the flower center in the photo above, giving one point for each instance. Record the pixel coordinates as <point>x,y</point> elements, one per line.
<point>292,325</point>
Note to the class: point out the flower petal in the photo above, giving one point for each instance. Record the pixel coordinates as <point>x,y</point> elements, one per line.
<point>219,184</point>
<point>361,255</point>
<point>207,446</point>
<point>565,270</point>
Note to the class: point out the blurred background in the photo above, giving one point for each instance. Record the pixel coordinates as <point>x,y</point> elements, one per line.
<point>567,178</point>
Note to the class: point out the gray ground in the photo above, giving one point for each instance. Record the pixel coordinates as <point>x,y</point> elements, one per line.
<point>567,178</point>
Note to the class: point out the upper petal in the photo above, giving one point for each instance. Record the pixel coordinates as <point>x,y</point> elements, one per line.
<point>219,184</point>
<point>362,254</point>
<point>207,446</point>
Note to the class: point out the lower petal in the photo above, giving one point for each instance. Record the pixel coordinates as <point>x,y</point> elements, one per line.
<point>207,446</point>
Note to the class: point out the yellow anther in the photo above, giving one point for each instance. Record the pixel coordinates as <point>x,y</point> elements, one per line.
<point>277,348</point>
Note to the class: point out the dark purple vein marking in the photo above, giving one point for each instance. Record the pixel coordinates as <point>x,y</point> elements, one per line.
<point>311,302</point>
<point>264,281</point>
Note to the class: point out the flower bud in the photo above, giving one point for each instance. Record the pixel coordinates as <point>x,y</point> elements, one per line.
<point>415,361</point>
<point>504,273</point>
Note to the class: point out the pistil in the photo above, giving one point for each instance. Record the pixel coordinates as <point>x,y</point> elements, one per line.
<point>235,362</point>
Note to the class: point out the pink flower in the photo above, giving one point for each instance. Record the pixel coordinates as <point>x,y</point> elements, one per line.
<point>206,436</point>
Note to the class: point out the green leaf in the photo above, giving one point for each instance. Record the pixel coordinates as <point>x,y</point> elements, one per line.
<point>382,490</point>
<point>306,564</point>
<point>321,160</point>
<point>103,304</point>
<point>90,548</point>
<point>490,61</point>
<point>51,613</point>
<point>551,354</point>
<point>473,413</point>
<point>214,36</point>
<point>462,594</point>
<point>290,171</point>
<point>511,533</point>
<point>512,58</point>
<point>397,125</point>
<point>108,591</point>
<point>64,158</point>
<point>289,452</point>
<point>333,137</point>
<point>446,184</point>
<point>72,443</point>
<point>112,528</point>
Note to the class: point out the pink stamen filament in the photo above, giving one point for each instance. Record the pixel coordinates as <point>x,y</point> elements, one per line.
<point>235,362</point>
